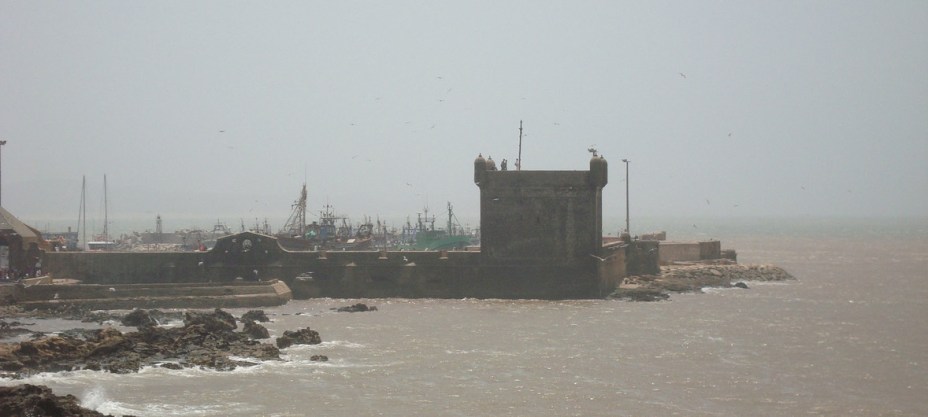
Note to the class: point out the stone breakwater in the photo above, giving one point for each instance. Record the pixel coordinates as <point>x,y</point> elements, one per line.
<point>689,278</point>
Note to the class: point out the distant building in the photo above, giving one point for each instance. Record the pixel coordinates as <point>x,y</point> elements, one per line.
<point>20,246</point>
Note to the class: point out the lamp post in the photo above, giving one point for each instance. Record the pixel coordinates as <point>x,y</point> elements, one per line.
<point>627,228</point>
<point>2,142</point>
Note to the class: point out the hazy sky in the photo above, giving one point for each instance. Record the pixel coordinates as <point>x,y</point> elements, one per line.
<point>218,110</point>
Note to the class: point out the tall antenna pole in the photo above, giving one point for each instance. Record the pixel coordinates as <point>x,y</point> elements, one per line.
<point>519,159</point>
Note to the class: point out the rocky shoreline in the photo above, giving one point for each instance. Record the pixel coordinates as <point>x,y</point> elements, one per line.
<point>206,339</point>
<point>695,277</point>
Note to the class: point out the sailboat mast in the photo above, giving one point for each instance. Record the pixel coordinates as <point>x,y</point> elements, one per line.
<point>106,236</point>
<point>82,213</point>
<point>303,209</point>
<point>519,159</point>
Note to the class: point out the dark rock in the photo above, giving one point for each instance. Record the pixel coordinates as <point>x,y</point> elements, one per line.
<point>305,336</point>
<point>217,321</point>
<point>39,400</point>
<point>255,330</point>
<point>319,358</point>
<point>8,329</point>
<point>138,318</point>
<point>206,340</point>
<point>740,285</point>
<point>255,315</point>
<point>359,307</point>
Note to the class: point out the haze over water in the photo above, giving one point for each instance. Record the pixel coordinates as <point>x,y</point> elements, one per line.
<point>847,338</point>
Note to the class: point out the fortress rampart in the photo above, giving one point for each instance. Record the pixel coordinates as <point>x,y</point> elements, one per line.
<point>541,237</point>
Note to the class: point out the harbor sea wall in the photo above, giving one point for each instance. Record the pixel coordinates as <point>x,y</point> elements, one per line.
<point>346,274</point>
<point>541,237</point>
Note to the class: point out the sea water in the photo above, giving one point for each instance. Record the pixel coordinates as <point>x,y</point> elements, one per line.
<point>849,337</point>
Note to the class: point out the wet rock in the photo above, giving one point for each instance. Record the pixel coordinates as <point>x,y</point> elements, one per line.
<point>255,330</point>
<point>217,321</point>
<point>9,330</point>
<point>305,336</point>
<point>206,340</point>
<point>319,358</point>
<point>359,307</point>
<point>695,277</point>
<point>138,318</point>
<point>39,400</point>
<point>255,315</point>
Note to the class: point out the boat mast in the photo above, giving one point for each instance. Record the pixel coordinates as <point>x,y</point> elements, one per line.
<point>519,159</point>
<point>106,236</point>
<point>450,222</point>
<point>303,208</point>
<point>82,213</point>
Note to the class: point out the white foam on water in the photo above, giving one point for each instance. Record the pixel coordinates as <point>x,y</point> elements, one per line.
<point>63,378</point>
<point>165,409</point>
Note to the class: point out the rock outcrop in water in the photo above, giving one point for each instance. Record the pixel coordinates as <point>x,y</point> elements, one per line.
<point>305,336</point>
<point>39,400</point>
<point>206,339</point>
<point>688,278</point>
<point>356,308</point>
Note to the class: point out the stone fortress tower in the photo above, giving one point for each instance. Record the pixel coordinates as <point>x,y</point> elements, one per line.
<point>540,216</point>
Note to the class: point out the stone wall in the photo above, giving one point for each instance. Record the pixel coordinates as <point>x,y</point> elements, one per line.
<point>541,237</point>
<point>671,252</point>
<point>343,274</point>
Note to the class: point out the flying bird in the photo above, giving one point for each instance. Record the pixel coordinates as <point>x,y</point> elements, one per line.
<point>682,74</point>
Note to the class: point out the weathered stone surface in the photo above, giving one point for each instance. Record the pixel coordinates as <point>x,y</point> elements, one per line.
<point>217,321</point>
<point>39,400</point>
<point>305,336</point>
<point>255,315</point>
<point>255,330</point>
<point>138,318</point>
